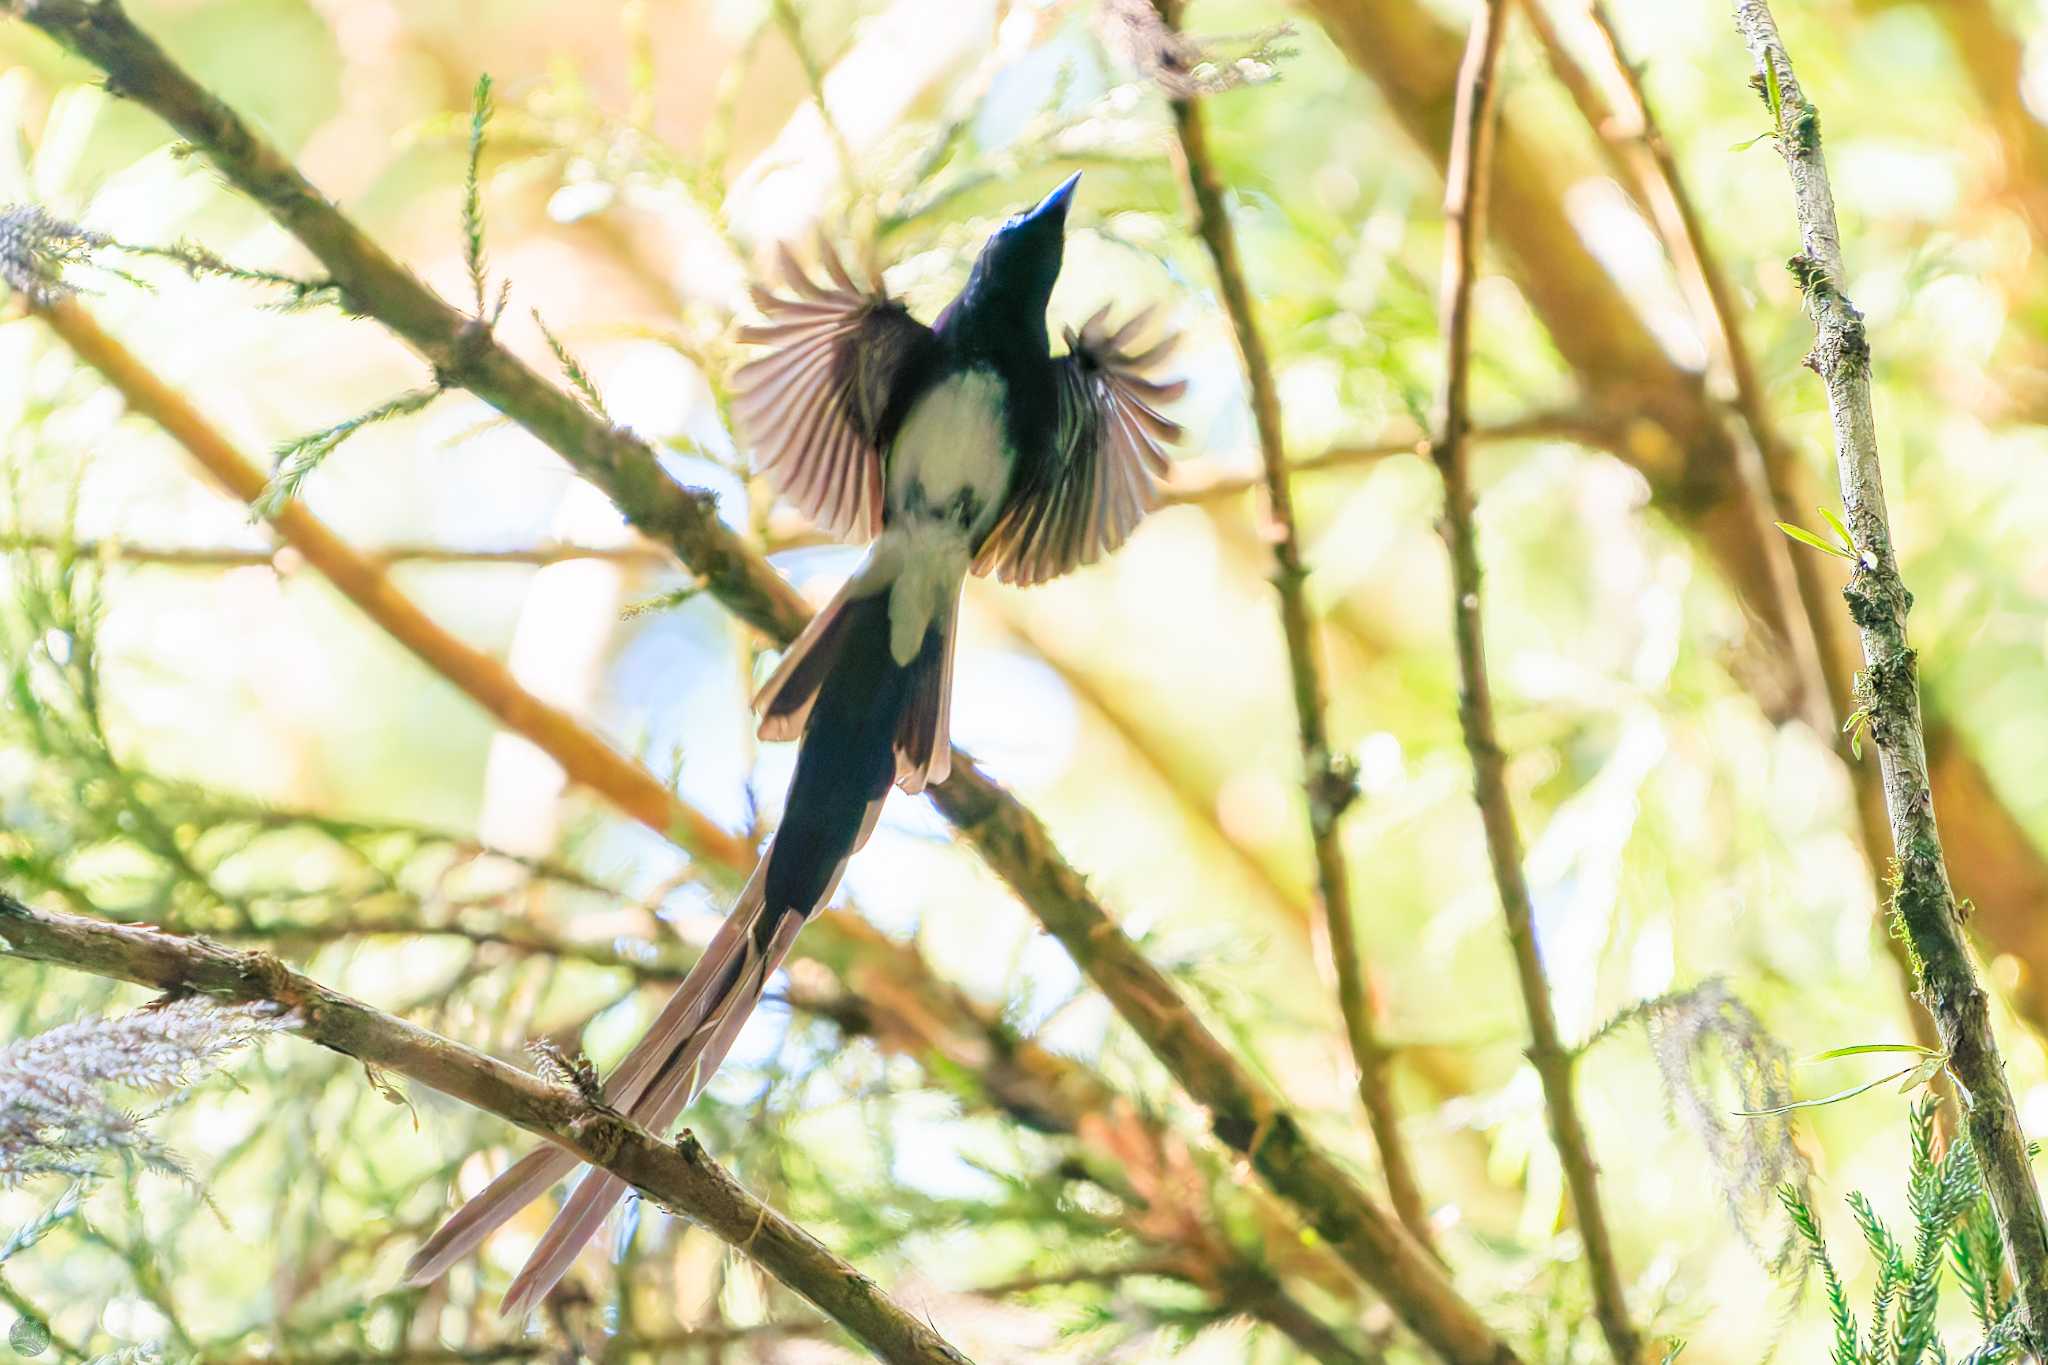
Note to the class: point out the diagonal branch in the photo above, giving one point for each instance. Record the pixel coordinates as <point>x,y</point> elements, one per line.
<point>1759,459</point>
<point>1464,193</point>
<point>1925,904</point>
<point>681,1176</point>
<point>1328,783</point>
<point>1247,1115</point>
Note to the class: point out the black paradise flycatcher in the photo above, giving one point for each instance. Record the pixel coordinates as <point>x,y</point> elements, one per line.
<point>961,445</point>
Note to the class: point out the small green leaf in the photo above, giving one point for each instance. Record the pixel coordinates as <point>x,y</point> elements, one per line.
<point>668,601</point>
<point>1923,1073</point>
<point>1773,93</point>
<point>472,193</point>
<point>573,371</point>
<point>1835,522</point>
<point>1806,537</point>
<point>1862,1049</point>
<point>1854,726</point>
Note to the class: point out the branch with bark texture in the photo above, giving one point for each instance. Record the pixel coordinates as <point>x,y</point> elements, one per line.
<point>1245,1114</point>
<point>1924,903</point>
<point>1328,783</point>
<point>680,1176</point>
<point>1464,211</point>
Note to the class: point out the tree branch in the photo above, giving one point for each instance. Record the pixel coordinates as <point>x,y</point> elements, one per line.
<point>1878,602</point>
<point>1328,782</point>
<point>682,1177</point>
<point>1464,211</point>
<point>1248,1116</point>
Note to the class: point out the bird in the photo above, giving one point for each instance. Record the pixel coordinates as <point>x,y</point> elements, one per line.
<point>960,446</point>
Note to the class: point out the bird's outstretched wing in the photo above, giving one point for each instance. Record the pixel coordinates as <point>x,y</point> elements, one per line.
<point>814,407</point>
<point>1105,468</point>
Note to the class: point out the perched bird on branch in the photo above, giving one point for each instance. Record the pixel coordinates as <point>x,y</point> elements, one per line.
<point>961,445</point>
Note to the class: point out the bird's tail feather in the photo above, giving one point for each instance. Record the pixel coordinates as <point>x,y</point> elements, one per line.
<point>924,741</point>
<point>726,1006</point>
<point>523,1182</point>
<point>786,700</point>
<point>529,1178</point>
<point>853,703</point>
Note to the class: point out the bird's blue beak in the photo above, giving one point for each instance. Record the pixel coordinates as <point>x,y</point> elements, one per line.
<point>1053,208</point>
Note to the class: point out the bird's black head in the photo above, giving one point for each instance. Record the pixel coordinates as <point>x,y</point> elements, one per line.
<point>1012,279</point>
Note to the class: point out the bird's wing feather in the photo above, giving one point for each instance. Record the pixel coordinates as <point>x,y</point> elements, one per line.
<point>813,407</point>
<point>1106,465</point>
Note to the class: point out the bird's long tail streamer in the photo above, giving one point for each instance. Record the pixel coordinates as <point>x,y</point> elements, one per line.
<point>845,767</point>
<point>679,1024</point>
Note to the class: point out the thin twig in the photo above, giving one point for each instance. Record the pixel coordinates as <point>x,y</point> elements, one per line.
<point>1464,211</point>
<point>1244,1113</point>
<point>681,1176</point>
<point>1924,903</point>
<point>1193,483</point>
<point>1328,781</point>
<point>792,25</point>
<point>238,557</point>
<point>1260,1296</point>
<point>1759,459</point>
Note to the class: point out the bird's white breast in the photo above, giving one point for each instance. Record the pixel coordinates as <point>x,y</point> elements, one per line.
<point>953,442</point>
<point>948,470</point>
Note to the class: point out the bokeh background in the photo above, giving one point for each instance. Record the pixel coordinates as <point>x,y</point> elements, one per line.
<point>202,733</point>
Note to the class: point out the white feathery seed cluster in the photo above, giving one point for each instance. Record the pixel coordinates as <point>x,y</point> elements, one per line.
<point>36,246</point>
<point>57,1115</point>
